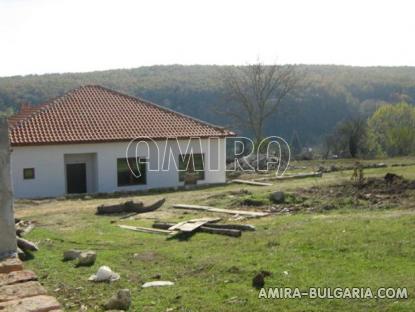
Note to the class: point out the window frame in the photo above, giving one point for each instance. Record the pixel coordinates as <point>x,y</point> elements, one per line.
<point>30,176</point>
<point>143,171</point>
<point>182,173</point>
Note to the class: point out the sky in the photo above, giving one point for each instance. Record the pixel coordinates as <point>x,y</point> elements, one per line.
<point>50,36</point>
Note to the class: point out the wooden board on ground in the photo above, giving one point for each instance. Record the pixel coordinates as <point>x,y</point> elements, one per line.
<point>191,225</point>
<point>146,230</point>
<point>250,182</point>
<point>207,228</point>
<point>220,210</point>
<point>294,176</point>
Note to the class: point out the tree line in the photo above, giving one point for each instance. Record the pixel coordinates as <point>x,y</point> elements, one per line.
<point>324,97</point>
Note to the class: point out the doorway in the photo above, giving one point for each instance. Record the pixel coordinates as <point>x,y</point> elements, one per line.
<point>76,178</point>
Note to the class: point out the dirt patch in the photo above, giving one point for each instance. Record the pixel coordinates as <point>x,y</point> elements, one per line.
<point>381,192</point>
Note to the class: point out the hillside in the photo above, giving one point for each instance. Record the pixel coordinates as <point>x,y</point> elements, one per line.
<point>327,94</point>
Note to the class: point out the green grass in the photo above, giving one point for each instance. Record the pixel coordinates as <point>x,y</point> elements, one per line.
<point>345,247</point>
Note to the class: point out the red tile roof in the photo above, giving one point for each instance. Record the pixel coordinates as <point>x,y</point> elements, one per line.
<point>93,114</point>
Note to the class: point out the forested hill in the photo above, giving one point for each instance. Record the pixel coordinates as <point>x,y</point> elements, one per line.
<point>327,94</point>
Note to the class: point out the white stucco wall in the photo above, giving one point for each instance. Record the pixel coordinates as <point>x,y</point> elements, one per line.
<point>49,163</point>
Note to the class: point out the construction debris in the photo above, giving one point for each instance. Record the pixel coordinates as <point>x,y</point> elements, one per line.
<point>26,245</point>
<point>146,230</point>
<point>251,182</point>
<point>23,227</point>
<point>191,225</point>
<point>130,207</point>
<point>157,284</point>
<point>104,274</point>
<point>220,210</point>
<point>208,228</point>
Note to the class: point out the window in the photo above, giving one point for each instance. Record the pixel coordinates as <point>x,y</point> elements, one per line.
<point>28,173</point>
<point>191,164</point>
<point>126,177</point>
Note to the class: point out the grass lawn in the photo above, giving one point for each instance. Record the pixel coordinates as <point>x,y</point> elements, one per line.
<point>355,244</point>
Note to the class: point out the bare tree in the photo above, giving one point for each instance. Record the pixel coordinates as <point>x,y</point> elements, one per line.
<point>255,92</point>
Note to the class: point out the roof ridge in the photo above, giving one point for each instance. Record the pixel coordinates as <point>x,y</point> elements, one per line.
<point>147,102</point>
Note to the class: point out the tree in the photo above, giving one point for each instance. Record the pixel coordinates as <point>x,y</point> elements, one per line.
<point>254,93</point>
<point>394,128</point>
<point>349,137</point>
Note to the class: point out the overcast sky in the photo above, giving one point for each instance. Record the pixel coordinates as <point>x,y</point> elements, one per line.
<point>45,36</point>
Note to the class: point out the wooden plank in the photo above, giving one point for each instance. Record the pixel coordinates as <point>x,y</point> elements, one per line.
<point>191,225</point>
<point>294,176</point>
<point>220,210</point>
<point>251,182</point>
<point>240,227</point>
<point>146,230</point>
<point>205,229</point>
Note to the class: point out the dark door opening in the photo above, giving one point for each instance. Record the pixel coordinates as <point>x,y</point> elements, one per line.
<point>76,178</point>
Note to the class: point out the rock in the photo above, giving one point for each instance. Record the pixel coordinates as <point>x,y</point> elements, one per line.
<point>277,197</point>
<point>87,258</point>
<point>71,254</point>
<point>34,304</point>
<point>120,301</point>
<point>10,264</point>
<point>17,277</point>
<point>258,281</point>
<point>391,177</point>
<point>157,284</point>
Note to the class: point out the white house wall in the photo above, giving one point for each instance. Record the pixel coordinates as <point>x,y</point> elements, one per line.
<point>49,164</point>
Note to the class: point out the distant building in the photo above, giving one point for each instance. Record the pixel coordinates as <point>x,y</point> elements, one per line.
<point>77,143</point>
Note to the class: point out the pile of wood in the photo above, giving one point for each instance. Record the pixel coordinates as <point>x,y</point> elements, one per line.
<point>24,246</point>
<point>205,225</point>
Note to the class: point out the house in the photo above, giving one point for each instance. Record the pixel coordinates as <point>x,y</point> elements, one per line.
<point>93,139</point>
